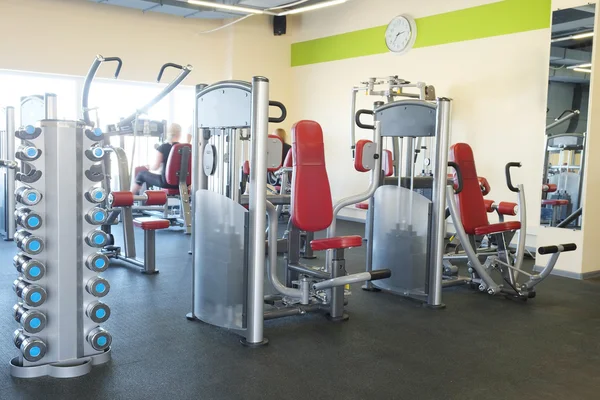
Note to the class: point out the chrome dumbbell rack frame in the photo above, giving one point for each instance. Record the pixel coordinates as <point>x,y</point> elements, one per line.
<point>67,174</point>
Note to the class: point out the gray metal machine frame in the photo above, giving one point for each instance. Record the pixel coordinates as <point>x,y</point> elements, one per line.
<point>63,174</point>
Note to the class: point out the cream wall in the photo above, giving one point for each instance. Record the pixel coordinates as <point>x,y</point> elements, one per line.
<point>63,36</point>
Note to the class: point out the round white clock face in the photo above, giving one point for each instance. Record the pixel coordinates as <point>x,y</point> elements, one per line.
<point>401,34</point>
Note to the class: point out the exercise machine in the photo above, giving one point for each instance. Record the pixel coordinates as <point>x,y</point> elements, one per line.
<point>469,215</point>
<point>228,116</point>
<point>405,231</point>
<point>153,201</point>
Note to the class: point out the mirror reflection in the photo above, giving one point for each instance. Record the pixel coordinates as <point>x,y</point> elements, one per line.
<point>567,116</point>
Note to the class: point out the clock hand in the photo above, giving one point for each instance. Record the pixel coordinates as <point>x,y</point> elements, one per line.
<point>400,33</point>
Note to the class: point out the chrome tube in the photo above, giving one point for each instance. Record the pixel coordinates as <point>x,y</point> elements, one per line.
<point>309,271</point>
<point>535,279</point>
<point>51,106</point>
<point>343,280</point>
<point>464,238</point>
<point>272,261</point>
<point>353,124</point>
<point>522,233</point>
<point>373,185</point>
<point>438,218</point>
<point>257,208</point>
<point>10,174</point>
<point>560,121</point>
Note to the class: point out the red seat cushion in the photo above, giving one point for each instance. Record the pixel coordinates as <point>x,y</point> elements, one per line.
<point>555,202</point>
<point>498,228</point>
<point>341,242</point>
<point>174,164</point>
<point>171,192</point>
<point>312,207</point>
<point>387,163</point>
<point>151,223</point>
<point>362,206</point>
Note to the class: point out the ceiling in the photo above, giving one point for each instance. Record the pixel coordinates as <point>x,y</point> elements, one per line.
<point>567,53</point>
<point>181,8</point>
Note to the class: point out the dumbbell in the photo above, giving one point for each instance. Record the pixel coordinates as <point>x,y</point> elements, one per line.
<point>97,238</point>
<point>32,270</point>
<point>32,347</point>
<point>33,295</point>
<point>28,219</point>
<point>28,153</point>
<point>97,286</point>
<point>96,216</point>
<point>94,134</point>
<point>30,132</point>
<point>95,195</point>
<point>99,339</point>
<point>98,312</point>
<point>97,262</point>
<point>33,321</point>
<point>28,196</point>
<point>95,154</point>
<point>29,243</point>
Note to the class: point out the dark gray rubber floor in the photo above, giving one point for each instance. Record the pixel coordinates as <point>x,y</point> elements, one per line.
<point>477,348</point>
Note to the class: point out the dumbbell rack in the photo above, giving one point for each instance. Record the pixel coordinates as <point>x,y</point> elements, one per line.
<point>59,213</point>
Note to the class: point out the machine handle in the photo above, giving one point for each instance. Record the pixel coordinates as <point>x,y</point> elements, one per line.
<point>458,176</point>
<point>167,65</point>
<point>360,124</point>
<point>561,248</point>
<point>277,120</point>
<point>380,274</point>
<point>88,82</point>
<point>509,178</point>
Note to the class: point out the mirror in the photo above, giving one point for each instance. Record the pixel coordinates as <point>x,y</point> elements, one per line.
<point>566,119</point>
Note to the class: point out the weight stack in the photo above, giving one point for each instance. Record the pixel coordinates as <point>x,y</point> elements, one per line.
<point>59,210</point>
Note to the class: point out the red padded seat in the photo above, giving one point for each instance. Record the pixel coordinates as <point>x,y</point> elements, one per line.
<point>362,206</point>
<point>174,165</point>
<point>498,228</point>
<point>555,202</point>
<point>342,242</point>
<point>151,223</point>
<point>171,192</point>
<point>387,163</point>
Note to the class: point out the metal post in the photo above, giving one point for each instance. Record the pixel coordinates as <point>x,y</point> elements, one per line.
<point>199,179</point>
<point>149,252</point>
<point>258,208</point>
<point>338,269</point>
<point>51,106</point>
<point>438,220</point>
<point>9,174</point>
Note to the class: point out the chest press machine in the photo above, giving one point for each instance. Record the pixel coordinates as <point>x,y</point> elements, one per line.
<point>229,240</point>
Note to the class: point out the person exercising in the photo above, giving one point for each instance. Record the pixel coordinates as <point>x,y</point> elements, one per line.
<point>271,178</point>
<point>155,175</point>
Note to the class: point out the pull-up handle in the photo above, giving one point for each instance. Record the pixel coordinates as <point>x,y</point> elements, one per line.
<point>88,82</point>
<point>185,71</point>
<point>561,248</point>
<point>359,113</point>
<point>167,65</point>
<point>277,120</point>
<point>459,177</point>
<point>509,178</point>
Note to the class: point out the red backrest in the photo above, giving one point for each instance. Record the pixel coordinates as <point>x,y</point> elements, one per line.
<point>289,160</point>
<point>387,163</point>
<point>174,164</point>
<point>470,201</point>
<point>358,158</point>
<point>312,208</point>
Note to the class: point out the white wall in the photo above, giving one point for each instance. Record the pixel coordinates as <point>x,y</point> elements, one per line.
<point>499,103</point>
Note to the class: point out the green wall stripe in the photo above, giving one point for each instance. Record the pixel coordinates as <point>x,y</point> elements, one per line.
<point>495,19</point>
